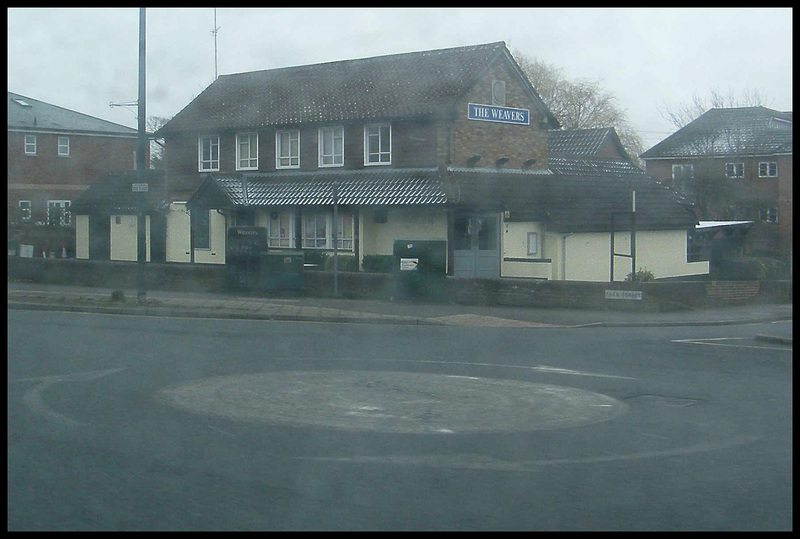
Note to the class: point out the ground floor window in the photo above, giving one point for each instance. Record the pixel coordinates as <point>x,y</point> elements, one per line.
<point>318,231</point>
<point>280,229</point>
<point>698,246</point>
<point>58,213</point>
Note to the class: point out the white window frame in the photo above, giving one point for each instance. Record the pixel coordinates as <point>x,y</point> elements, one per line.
<point>381,152</point>
<point>283,158</point>
<point>768,215</point>
<point>30,144</point>
<point>63,146</point>
<point>25,211</point>
<point>336,158</point>
<point>682,168</point>
<point>279,237</point>
<point>734,170</point>
<point>66,214</point>
<point>210,164</point>
<point>768,165</point>
<point>345,236</point>
<point>249,141</point>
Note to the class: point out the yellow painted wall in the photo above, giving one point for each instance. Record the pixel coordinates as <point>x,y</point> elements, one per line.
<point>401,224</point>
<point>124,237</point>
<point>82,236</point>
<point>178,246</point>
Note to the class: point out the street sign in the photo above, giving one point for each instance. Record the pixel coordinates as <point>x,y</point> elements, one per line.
<point>140,187</point>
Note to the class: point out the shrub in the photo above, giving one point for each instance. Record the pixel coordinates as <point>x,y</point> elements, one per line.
<point>641,276</point>
<point>742,268</point>
<point>315,258</point>
<point>378,263</point>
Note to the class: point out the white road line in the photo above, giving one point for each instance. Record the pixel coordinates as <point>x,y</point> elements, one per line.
<point>710,342</point>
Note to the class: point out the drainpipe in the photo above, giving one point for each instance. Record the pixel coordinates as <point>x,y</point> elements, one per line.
<point>564,255</point>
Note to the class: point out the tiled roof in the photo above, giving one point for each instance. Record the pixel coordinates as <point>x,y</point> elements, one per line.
<point>114,192</point>
<point>394,86</point>
<point>564,165</point>
<point>27,113</point>
<point>570,203</point>
<point>577,142</point>
<point>729,131</point>
<point>389,187</point>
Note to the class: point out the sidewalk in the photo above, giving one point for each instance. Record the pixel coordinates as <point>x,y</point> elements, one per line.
<point>242,306</point>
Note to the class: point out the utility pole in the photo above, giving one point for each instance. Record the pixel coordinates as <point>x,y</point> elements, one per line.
<point>214,32</point>
<point>335,239</point>
<point>141,165</point>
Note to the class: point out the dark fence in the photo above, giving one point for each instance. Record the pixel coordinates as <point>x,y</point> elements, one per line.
<point>648,296</point>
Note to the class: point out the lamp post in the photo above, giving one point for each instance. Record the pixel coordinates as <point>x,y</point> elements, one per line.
<point>141,166</point>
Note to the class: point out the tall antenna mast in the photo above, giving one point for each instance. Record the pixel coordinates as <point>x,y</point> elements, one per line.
<point>214,32</point>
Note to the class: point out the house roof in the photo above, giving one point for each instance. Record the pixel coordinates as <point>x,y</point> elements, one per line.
<point>405,85</point>
<point>113,192</point>
<point>25,113</point>
<point>570,203</point>
<point>582,142</point>
<point>729,131</point>
<point>597,167</point>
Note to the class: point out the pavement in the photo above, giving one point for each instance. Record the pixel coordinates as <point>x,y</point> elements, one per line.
<point>233,305</point>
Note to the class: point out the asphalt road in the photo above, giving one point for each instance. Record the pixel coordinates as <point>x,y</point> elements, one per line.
<point>137,423</point>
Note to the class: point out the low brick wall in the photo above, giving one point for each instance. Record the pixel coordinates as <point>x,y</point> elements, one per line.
<point>652,296</point>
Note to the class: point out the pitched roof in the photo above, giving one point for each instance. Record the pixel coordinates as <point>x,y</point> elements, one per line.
<point>393,86</point>
<point>31,114</point>
<point>581,142</point>
<point>601,167</point>
<point>729,131</point>
<point>568,203</point>
<point>113,192</point>
<point>576,203</point>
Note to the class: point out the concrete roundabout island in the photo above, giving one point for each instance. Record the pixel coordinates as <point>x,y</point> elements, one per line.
<point>396,402</point>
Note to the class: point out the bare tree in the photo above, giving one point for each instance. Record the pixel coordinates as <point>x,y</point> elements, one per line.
<point>684,113</point>
<point>154,123</point>
<point>581,103</point>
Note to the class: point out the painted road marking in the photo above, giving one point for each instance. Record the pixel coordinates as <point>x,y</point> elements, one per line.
<point>717,341</point>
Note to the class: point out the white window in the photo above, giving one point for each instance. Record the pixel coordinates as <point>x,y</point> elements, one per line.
<point>378,144</point>
<point>767,169</point>
<point>768,215</point>
<point>287,149</point>
<point>316,227</point>
<point>63,146</point>
<point>208,153</point>
<point>58,213</point>
<point>30,144</point>
<point>247,151</point>
<point>533,243</point>
<point>25,211</point>
<point>734,170</point>
<point>331,146</point>
<point>682,172</point>
<point>280,229</point>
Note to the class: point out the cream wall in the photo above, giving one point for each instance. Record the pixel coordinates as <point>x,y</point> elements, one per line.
<point>401,224</point>
<point>514,243</point>
<point>178,239</point>
<point>82,236</point>
<point>215,254</point>
<point>588,256</point>
<point>124,237</point>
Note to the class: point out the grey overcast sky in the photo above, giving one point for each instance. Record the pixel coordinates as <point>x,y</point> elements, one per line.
<point>85,58</point>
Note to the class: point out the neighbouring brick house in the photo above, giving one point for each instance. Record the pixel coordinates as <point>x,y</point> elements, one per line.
<point>736,165</point>
<point>54,154</point>
<point>446,147</point>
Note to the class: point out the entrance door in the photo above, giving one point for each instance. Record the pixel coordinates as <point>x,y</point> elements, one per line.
<point>476,245</point>
<point>99,237</point>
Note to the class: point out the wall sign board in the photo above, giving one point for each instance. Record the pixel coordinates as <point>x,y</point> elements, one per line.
<point>506,115</point>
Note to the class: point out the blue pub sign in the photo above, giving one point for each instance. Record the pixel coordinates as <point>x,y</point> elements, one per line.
<point>491,113</point>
